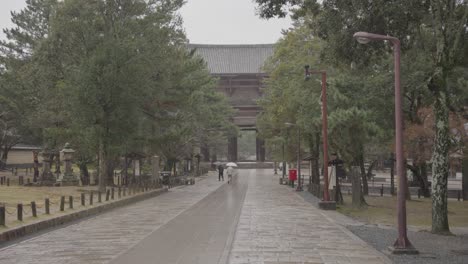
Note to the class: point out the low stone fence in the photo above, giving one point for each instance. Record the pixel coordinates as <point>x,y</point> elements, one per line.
<point>69,208</point>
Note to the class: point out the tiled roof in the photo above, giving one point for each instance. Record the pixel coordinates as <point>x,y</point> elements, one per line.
<point>231,59</point>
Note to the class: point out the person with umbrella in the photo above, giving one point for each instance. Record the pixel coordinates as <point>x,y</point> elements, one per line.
<point>230,170</point>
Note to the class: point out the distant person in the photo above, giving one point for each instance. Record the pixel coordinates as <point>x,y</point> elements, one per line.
<point>220,172</point>
<point>230,171</point>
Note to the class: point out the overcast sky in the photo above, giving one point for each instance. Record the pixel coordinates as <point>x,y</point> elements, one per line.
<point>206,21</point>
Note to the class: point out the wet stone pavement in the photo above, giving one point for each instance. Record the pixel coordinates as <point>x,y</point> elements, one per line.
<point>252,220</point>
<point>277,226</point>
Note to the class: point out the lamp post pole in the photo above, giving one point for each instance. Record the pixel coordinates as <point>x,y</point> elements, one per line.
<point>402,244</point>
<point>326,196</point>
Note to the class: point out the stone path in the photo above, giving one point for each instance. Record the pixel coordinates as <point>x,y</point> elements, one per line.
<point>277,226</point>
<point>254,220</point>
<point>102,238</point>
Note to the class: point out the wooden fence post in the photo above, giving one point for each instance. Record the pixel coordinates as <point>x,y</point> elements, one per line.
<point>2,215</point>
<point>62,203</point>
<point>83,199</point>
<point>33,209</point>
<point>19,210</point>
<point>47,206</point>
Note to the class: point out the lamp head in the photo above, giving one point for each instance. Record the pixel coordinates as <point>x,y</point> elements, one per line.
<point>362,37</point>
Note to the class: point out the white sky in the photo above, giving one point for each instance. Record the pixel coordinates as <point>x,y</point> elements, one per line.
<point>205,21</point>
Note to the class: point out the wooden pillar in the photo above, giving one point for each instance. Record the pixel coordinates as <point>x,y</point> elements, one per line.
<point>232,149</point>
<point>260,149</point>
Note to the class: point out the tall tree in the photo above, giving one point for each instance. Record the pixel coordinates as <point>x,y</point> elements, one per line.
<point>435,29</point>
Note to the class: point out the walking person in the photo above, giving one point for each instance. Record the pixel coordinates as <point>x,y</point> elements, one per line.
<point>230,170</point>
<point>220,172</point>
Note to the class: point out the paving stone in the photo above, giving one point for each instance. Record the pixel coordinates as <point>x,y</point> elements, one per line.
<point>102,238</point>
<point>275,219</point>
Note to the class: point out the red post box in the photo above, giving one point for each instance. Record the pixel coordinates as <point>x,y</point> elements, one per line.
<point>292,174</point>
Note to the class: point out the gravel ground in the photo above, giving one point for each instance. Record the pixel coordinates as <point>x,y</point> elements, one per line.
<point>432,248</point>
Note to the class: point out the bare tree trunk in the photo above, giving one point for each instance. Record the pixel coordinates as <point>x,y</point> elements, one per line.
<point>440,166</point>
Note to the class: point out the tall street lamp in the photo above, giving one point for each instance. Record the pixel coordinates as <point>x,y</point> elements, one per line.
<point>326,196</point>
<point>299,182</point>
<point>402,245</point>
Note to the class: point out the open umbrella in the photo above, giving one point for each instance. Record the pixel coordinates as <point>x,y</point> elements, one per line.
<point>231,164</point>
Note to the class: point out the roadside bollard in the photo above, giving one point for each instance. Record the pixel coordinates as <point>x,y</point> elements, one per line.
<point>70,202</point>
<point>47,206</point>
<point>91,198</point>
<point>381,191</point>
<point>62,203</point>
<point>1,180</point>
<point>99,197</point>
<point>107,195</point>
<point>19,210</point>
<point>112,193</point>
<point>33,209</point>
<point>2,215</point>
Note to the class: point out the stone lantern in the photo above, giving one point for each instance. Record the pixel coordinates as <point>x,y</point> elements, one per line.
<point>68,178</point>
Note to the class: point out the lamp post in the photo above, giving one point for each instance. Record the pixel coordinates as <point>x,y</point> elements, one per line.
<point>308,72</point>
<point>402,244</point>
<point>299,182</point>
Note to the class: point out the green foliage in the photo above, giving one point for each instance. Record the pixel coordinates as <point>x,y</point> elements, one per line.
<point>111,78</point>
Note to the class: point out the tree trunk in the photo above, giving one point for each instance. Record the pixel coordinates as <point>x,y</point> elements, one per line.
<point>316,164</point>
<point>103,166</point>
<point>440,165</point>
<point>465,174</point>
<point>392,173</point>
<point>57,164</point>
<point>365,185</point>
<point>357,197</point>
<point>84,173</point>
<point>315,157</point>
<point>36,166</point>
<point>205,152</point>
<point>370,169</point>
<point>419,171</point>
<point>4,157</point>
